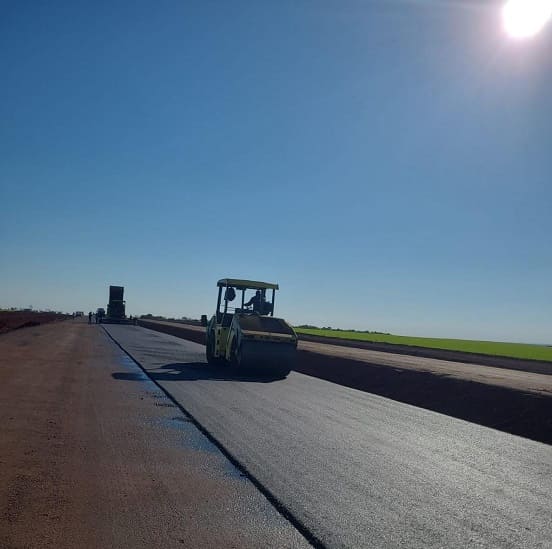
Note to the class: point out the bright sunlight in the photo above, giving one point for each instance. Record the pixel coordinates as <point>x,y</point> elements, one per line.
<point>526,18</point>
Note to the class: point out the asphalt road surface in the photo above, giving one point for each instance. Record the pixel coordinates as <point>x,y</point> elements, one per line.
<point>359,470</point>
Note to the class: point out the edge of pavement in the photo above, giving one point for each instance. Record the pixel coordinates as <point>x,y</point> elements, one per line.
<point>279,506</point>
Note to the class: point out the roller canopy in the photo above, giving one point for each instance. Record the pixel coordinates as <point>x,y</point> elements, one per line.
<point>246,284</point>
<point>116,293</point>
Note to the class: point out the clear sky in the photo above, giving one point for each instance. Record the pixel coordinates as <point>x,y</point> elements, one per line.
<point>389,163</point>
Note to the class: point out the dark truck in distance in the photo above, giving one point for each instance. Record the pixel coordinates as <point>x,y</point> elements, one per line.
<point>116,307</point>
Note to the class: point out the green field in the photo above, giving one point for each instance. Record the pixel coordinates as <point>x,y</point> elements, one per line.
<point>515,350</point>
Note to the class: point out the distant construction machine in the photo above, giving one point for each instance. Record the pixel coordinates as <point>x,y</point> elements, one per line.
<point>249,337</point>
<point>116,307</point>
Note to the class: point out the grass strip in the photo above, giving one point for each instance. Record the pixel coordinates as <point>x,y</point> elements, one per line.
<point>513,350</point>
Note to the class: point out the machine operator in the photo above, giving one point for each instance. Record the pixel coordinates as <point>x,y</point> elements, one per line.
<point>259,303</point>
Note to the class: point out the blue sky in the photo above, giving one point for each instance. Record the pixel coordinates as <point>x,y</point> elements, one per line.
<point>388,163</point>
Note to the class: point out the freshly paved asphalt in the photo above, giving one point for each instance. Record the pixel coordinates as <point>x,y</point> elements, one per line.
<point>359,470</point>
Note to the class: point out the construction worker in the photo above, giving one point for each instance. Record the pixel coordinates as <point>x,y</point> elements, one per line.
<point>99,315</point>
<point>258,301</point>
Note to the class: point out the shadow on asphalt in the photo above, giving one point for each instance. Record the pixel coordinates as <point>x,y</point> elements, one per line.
<point>196,371</point>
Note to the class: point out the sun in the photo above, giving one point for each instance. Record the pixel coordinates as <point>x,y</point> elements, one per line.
<point>525,18</point>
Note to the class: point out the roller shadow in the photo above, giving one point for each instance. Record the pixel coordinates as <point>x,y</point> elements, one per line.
<point>199,371</point>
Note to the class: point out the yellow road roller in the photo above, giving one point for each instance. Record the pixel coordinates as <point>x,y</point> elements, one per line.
<point>244,332</point>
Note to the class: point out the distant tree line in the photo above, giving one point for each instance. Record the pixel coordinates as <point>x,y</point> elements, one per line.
<point>149,316</point>
<point>311,327</point>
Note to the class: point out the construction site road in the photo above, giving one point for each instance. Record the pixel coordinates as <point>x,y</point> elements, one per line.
<point>356,469</point>
<point>94,455</point>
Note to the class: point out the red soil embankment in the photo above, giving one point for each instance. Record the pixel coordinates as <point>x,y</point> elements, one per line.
<point>13,320</point>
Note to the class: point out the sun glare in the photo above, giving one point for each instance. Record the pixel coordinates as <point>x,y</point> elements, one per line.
<point>525,18</point>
